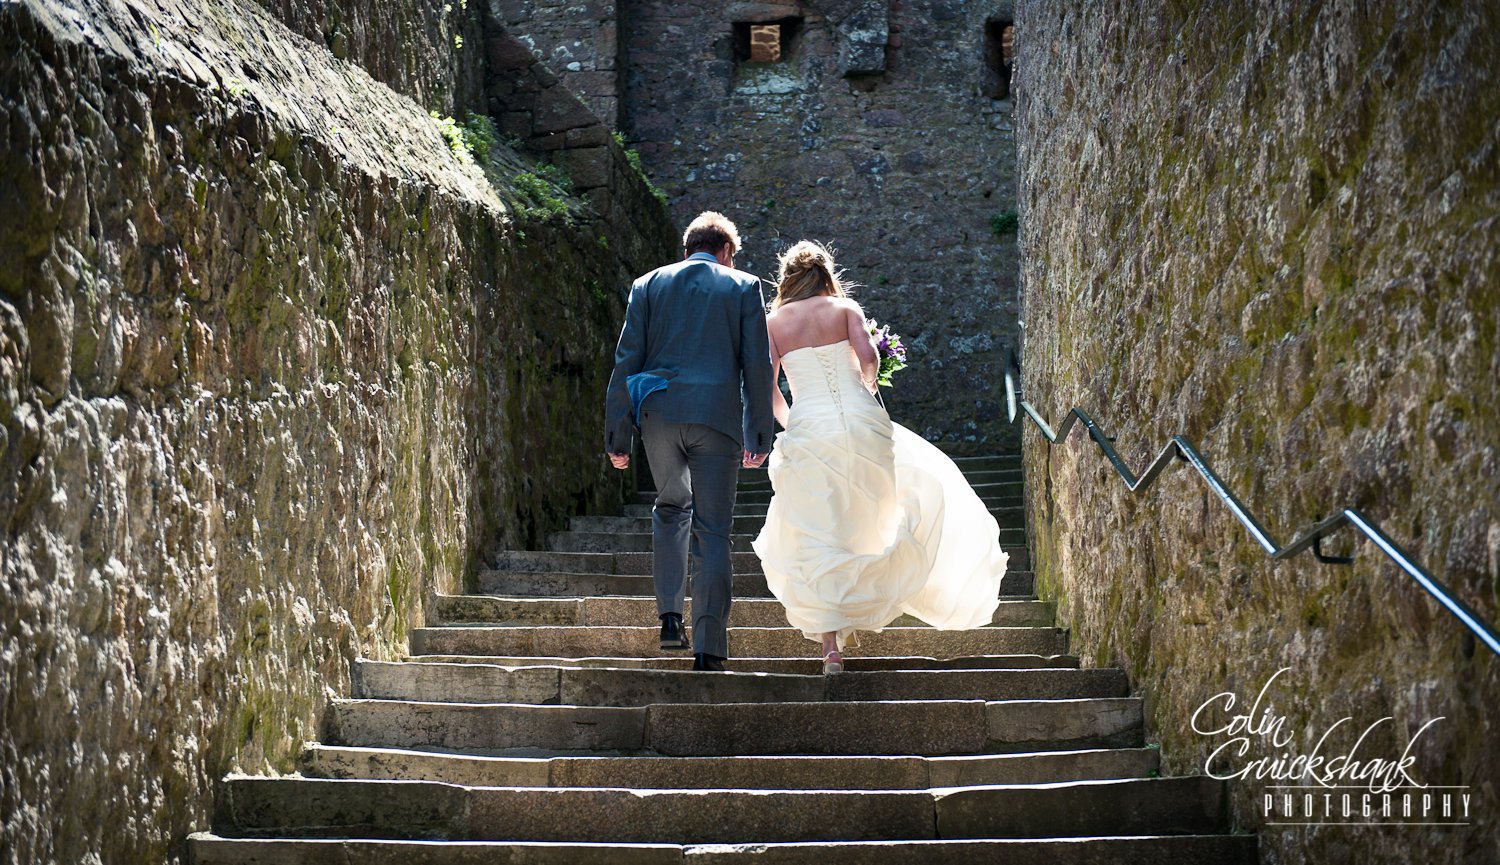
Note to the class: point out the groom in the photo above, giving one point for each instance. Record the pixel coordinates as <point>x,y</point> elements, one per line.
<point>693,374</point>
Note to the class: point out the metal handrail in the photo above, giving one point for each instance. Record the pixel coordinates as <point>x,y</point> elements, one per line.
<point>1180,448</point>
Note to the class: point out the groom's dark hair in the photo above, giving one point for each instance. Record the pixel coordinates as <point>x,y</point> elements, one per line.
<point>709,232</point>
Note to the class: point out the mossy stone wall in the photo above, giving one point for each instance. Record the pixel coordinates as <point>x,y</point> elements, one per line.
<point>276,367</point>
<point>1273,228</point>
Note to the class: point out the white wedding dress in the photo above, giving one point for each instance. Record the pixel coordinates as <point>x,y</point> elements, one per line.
<point>868,520</point>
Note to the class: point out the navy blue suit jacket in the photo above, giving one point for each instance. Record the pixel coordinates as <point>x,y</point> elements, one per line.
<point>701,327</point>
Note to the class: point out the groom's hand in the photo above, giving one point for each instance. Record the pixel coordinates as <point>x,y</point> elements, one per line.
<point>620,461</point>
<point>753,461</point>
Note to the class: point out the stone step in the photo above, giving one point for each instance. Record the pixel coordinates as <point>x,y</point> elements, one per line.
<point>746,612</point>
<point>640,523</point>
<point>993,495</point>
<point>319,807</point>
<point>552,584</point>
<point>749,773</point>
<point>975,478</point>
<point>209,849</point>
<point>575,686</point>
<point>643,641</point>
<point>926,728</point>
<point>993,476</point>
<point>1012,516</point>
<point>801,666</point>
<point>990,462</point>
<point>636,538</point>
<point>1004,481</point>
<point>629,564</point>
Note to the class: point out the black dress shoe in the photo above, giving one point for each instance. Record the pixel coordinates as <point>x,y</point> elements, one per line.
<point>709,663</point>
<point>672,636</point>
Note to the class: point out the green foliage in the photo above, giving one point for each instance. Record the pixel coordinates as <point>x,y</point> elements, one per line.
<point>470,140</point>
<point>545,189</point>
<point>556,176</point>
<point>634,158</point>
<point>1005,223</point>
<point>454,135</point>
<point>480,134</point>
<point>458,41</point>
<point>603,242</point>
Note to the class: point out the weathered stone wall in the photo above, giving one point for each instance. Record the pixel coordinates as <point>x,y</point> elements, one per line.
<point>901,170</point>
<point>425,50</point>
<point>1274,228</point>
<point>874,133</point>
<point>276,366</point>
<point>579,40</point>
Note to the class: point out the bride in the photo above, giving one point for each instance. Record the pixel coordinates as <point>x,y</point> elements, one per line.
<point>867,520</point>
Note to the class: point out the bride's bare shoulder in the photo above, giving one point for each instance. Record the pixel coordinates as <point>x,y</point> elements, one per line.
<point>849,304</point>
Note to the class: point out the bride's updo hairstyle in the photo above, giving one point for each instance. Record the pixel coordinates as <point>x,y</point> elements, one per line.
<point>807,270</point>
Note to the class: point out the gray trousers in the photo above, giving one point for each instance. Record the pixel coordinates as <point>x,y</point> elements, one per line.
<point>695,468</point>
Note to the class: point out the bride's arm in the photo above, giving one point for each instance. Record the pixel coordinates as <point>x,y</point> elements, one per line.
<point>778,402</point>
<point>779,408</point>
<point>864,347</point>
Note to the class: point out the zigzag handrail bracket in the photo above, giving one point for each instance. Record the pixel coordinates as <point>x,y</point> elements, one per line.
<point>1181,448</point>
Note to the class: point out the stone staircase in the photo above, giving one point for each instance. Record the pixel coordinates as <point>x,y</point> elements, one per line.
<point>538,722</point>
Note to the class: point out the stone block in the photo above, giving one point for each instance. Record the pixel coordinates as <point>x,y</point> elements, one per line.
<point>977,685</point>
<point>484,728</point>
<point>490,609</point>
<point>1112,722</point>
<point>320,808</point>
<point>602,200</point>
<point>391,764</point>
<point>1142,806</point>
<point>547,142</point>
<point>214,850</point>
<point>696,816</point>
<point>1043,767</point>
<point>472,640</point>
<point>771,773</point>
<point>455,683</point>
<point>567,563</point>
<point>516,123</point>
<point>589,167</point>
<point>552,584</point>
<point>644,687</point>
<point>803,666</point>
<point>750,10</point>
<point>1211,850</point>
<point>507,54</point>
<point>588,84</point>
<point>596,135</point>
<point>937,727</point>
<point>558,110</point>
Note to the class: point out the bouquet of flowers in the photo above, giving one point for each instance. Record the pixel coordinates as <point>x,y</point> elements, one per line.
<point>889,349</point>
